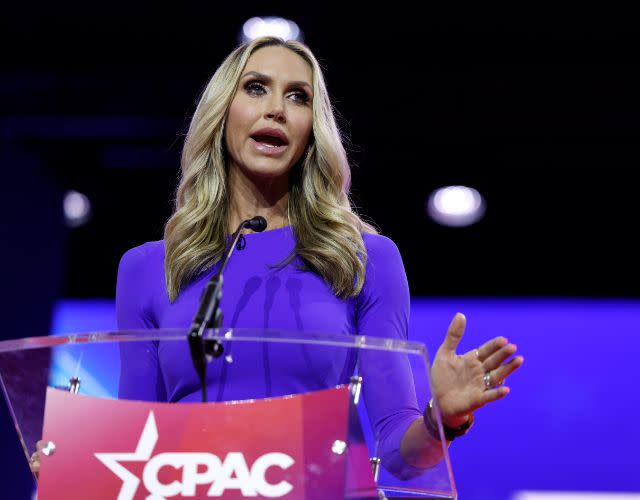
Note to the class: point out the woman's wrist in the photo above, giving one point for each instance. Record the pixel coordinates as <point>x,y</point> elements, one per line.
<point>452,428</point>
<point>454,422</point>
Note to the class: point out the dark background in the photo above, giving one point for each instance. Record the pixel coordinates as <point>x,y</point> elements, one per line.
<point>535,107</point>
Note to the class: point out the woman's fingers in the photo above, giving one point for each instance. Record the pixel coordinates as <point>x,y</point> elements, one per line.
<point>454,333</point>
<point>468,382</point>
<point>499,375</point>
<point>498,357</point>
<point>493,395</point>
<point>34,463</point>
<point>487,349</point>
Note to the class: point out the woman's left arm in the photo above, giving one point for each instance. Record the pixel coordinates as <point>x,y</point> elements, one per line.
<point>460,383</point>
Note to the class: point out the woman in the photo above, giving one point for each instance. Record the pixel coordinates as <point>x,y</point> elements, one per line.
<point>263,141</point>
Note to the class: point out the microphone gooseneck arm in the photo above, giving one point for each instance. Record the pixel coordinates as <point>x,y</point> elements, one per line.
<point>209,314</point>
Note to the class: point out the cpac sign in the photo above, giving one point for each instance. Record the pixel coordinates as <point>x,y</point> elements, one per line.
<point>278,448</point>
<point>198,469</point>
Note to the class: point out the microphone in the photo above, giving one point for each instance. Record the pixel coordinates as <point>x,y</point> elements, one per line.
<point>257,224</point>
<point>209,314</point>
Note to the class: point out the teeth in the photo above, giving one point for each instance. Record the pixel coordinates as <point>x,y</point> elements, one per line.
<point>270,145</point>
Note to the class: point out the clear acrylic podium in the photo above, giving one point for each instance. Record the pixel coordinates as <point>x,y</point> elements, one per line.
<point>301,397</point>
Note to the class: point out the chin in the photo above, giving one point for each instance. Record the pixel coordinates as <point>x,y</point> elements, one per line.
<point>268,167</point>
<point>267,172</point>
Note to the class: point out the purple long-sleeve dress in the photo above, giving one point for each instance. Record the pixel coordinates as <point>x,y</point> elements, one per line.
<point>259,294</point>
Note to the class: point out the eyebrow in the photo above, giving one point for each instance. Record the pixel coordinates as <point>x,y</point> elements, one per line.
<point>268,79</point>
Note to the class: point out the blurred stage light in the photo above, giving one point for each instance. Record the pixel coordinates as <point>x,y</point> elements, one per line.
<point>77,209</point>
<point>270,26</point>
<point>455,206</point>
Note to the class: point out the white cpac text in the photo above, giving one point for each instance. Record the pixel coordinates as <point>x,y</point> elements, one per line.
<point>233,473</point>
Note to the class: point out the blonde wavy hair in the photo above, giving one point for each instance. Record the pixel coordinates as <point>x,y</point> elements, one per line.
<point>328,232</point>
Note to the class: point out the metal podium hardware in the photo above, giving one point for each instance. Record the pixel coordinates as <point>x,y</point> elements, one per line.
<point>74,385</point>
<point>49,448</point>
<point>375,467</point>
<point>339,447</point>
<point>355,386</point>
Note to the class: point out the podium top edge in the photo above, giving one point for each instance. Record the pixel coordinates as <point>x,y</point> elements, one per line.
<point>228,334</point>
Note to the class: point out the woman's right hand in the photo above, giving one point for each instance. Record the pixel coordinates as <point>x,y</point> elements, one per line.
<point>34,461</point>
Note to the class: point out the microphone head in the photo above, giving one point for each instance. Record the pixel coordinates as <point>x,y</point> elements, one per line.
<point>257,224</point>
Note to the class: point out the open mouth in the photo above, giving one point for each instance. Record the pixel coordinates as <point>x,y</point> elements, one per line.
<point>269,140</point>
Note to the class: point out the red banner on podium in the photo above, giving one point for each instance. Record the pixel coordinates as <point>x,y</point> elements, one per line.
<point>290,447</point>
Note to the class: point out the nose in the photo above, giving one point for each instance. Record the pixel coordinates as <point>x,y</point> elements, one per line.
<point>275,111</point>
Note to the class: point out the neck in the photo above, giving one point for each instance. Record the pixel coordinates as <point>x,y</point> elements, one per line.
<point>249,197</point>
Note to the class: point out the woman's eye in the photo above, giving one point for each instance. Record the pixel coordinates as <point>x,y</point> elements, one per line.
<point>300,97</point>
<point>254,88</point>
